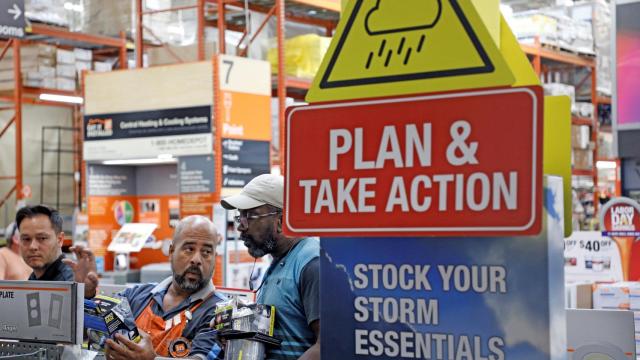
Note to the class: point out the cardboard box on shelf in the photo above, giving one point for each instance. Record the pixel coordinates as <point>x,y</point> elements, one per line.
<point>36,50</point>
<point>102,66</point>
<point>49,83</point>
<point>65,57</point>
<point>605,145</point>
<point>65,84</point>
<point>83,54</point>
<point>582,159</point>
<point>66,71</point>
<point>580,136</point>
<point>303,55</point>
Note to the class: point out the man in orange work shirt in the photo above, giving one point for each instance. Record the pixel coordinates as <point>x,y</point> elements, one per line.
<point>173,316</point>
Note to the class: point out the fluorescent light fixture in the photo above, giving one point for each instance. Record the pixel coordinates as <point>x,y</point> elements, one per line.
<point>161,159</point>
<point>606,165</point>
<point>62,98</point>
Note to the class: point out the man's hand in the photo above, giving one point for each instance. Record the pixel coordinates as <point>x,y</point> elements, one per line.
<point>127,349</point>
<point>84,269</point>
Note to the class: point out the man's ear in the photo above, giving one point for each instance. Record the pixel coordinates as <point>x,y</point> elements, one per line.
<point>171,249</point>
<point>60,238</point>
<point>279,224</point>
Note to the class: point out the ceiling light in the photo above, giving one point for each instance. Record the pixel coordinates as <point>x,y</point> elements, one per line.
<point>606,165</point>
<point>61,98</point>
<point>159,160</point>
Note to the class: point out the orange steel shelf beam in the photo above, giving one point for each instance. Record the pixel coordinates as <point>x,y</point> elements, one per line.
<point>576,120</point>
<point>299,19</point>
<point>582,172</point>
<point>76,36</point>
<point>560,56</point>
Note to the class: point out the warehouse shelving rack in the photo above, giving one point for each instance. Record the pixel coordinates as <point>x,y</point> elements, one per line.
<point>545,59</point>
<point>20,94</point>
<point>320,13</point>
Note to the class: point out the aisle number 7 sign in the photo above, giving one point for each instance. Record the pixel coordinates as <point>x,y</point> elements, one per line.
<point>465,163</point>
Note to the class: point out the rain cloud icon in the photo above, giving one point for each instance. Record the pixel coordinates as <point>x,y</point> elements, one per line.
<point>386,15</point>
<point>391,17</point>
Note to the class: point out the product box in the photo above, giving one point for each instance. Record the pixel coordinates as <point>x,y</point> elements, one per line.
<point>82,65</point>
<point>49,83</point>
<point>579,295</point>
<point>66,71</point>
<point>83,55</point>
<point>605,145</point>
<point>582,159</point>
<point>257,318</point>
<point>104,317</point>
<point>580,136</point>
<point>621,295</point>
<point>101,66</point>
<point>65,84</point>
<point>38,50</point>
<point>65,57</point>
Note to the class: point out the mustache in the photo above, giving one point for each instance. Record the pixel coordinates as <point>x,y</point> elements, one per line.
<point>194,270</point>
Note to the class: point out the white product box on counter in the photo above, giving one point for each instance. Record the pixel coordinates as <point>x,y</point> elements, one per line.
<point>621,295</point>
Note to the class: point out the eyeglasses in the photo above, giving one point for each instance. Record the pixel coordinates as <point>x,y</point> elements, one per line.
<point>244,219</point>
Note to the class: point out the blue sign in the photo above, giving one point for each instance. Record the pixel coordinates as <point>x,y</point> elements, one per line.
<point>444,298</point>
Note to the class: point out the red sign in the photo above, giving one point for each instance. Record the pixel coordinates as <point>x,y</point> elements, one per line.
<point>620,217</point>
<point>464,163</point>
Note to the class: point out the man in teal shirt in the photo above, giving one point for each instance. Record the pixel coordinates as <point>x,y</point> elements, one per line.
<point>292,282</point>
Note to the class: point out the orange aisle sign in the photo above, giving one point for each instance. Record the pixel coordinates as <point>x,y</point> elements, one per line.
<point>451,164</point>
<point>389,47</point>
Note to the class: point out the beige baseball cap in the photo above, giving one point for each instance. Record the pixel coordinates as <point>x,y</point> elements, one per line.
<point>263,189</point>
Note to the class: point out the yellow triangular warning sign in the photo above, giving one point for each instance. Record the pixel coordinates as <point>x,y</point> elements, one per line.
<point>398,47</point>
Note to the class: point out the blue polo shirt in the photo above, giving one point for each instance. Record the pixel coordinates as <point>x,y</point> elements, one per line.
<point>203,338</point>
<point>292,284</point>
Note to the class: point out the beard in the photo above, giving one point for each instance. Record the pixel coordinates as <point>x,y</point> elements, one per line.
<point>258,251</point>
<point>188,285</point>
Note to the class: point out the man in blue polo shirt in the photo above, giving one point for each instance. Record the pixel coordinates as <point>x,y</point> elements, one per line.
<point>173,316</point>
<point>292,282</point>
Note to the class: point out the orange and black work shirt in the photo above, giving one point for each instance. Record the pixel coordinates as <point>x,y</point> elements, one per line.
<point>189,320</point>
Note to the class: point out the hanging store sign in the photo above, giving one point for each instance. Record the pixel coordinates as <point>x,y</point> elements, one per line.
<point>621,217</point>
<point>242,160</point>
<point>244,118</point>
<point>466,163</point>
<point>182,131</point>
<point>12,21</point>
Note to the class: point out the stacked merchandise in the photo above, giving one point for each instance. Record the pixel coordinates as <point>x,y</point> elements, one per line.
<point>106,18</point>
<point>65,70</point>
<point>620,296</point>
<point>598,13</point>
<point>37,64</point>
<point>83,61</point>
<point>303,55</point>
<point>54,12</point>
<point>553,27</point>
<point>581,154</point>
<point>45,66</point>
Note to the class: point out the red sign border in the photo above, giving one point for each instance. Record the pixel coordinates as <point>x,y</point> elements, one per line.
<point>410,231</point>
